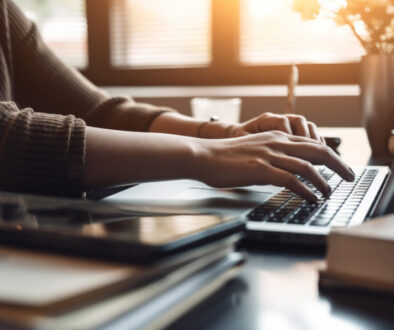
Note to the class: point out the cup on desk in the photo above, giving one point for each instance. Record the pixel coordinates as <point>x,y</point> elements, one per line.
<point>227,109</point>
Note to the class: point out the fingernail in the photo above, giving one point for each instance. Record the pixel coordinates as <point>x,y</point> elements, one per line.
<point>314,199</point>
<point>352,176</point>
<point>328,191</point>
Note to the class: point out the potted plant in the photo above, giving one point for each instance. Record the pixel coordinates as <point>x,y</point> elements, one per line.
<point>372,23</point>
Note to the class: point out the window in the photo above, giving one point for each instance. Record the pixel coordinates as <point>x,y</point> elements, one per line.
<point>195,42</point>
<point>157,33</point>
<point>63,26</point>
<point>271,33</point>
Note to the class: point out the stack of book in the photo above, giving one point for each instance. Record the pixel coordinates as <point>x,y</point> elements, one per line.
<point>54,286</point>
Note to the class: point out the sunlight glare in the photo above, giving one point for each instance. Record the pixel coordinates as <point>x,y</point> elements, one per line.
<point>259,9</point>
<point>272,33</point>
<point>334,5</point>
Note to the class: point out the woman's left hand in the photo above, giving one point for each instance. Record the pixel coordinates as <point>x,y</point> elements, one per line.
<point>290,124</point>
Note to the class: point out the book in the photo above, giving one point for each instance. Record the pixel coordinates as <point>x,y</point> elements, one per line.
<point>157,313</point>
<point>152,305</point>
<point>42,282</point>
<point>361,257</point>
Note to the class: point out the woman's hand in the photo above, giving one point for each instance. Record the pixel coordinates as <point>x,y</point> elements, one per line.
<point>174,123</point>
<point>290,124</point>
<point>267,158</point>
<point>120,157</point>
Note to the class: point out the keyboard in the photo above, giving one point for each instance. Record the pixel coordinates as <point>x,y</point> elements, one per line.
<point>288,208</point>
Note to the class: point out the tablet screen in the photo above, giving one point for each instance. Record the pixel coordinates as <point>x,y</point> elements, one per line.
<point>150,230</point>
<point>153,230</point>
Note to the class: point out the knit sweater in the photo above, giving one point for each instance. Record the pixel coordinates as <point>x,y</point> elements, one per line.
<point>45,106</point>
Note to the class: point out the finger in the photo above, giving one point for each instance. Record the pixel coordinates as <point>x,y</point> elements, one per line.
<point>283,124</point>
<point>303,168</point>
<point>272,122</point>
<point>319,154</point>
<point>302,139</point>
<point>268,122</point>
<point>282,178</point>
<point>299,125</point>
<point>313,131</point>
<point>323,140</point>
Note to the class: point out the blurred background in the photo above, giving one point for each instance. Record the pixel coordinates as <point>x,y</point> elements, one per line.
<point>169,51</point>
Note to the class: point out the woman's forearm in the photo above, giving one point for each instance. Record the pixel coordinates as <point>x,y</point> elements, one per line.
<point>119,157</point>
<point>175,123</point>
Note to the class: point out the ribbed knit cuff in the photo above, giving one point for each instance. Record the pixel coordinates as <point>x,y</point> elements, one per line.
<point>43,153</point>
<point>76,157</point>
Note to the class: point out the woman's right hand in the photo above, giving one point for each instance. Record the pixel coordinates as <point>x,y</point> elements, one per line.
<point>268,158</point>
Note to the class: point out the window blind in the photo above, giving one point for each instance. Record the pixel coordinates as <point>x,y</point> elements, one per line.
<point>160,33</point>
<point>271,33</point>
<point>62,24</point>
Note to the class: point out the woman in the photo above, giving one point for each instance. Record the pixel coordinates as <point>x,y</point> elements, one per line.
<point>60,135</point>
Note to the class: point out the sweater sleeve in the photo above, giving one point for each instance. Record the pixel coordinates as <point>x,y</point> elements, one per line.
<point>41,153</point>
<point>43,82</point>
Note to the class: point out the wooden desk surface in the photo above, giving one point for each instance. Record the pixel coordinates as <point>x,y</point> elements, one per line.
<point>278,288</point>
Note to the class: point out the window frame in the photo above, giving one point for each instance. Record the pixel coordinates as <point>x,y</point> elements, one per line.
<point>224,69</point>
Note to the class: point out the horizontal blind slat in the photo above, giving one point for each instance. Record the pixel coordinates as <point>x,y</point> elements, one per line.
<point>160,33</point>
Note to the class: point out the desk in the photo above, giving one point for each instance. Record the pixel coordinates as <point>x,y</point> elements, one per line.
<point>278,287</point>
<point>278,290</point>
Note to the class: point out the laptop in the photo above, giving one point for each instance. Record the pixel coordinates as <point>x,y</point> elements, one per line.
<point>275,214</point>
<point>286,217</point>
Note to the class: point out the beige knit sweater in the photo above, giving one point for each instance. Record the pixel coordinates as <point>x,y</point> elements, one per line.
<point>44,109</point>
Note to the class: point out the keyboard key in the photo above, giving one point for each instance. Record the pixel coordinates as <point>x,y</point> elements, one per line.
<point>343,214</point>
<point>276,220</point>
<point>332,207</point>
<point>299,219</point>
<point>276,217</point>
<point>340,220</point>
<point>338,210</point>
<point>266,208</point>
<point>320,222</point>
<point>339,223</point>
<point>255,217</point>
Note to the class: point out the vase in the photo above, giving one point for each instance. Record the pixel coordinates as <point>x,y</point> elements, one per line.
<point>377,101</point>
